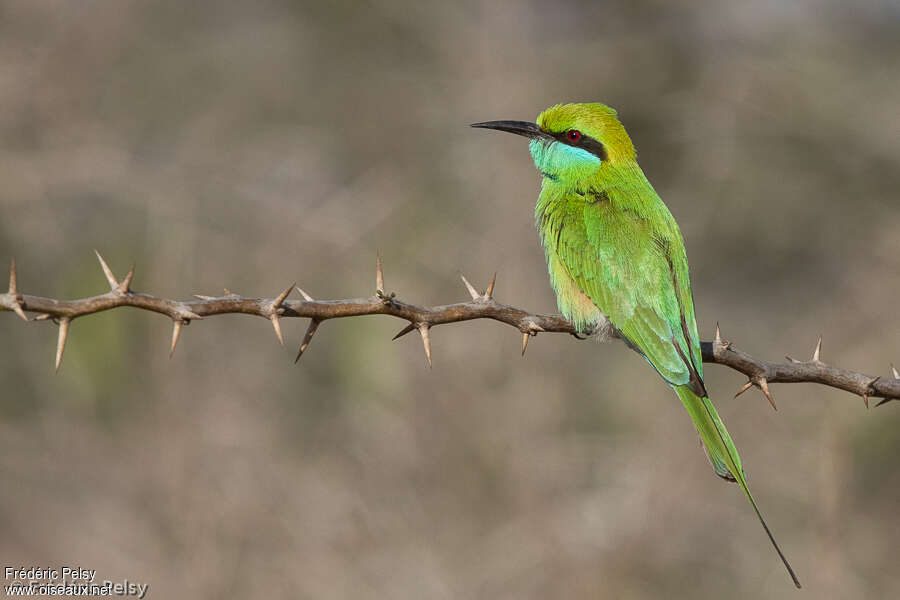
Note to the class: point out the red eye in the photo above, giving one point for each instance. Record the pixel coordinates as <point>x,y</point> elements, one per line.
<point>574,135</point>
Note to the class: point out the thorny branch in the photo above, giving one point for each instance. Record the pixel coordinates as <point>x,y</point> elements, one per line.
<point>760,373</point>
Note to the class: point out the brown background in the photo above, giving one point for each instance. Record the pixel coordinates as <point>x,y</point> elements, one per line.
<point>218,145</point>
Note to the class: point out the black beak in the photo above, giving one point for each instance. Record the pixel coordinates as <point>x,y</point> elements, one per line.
<point>523,128</point>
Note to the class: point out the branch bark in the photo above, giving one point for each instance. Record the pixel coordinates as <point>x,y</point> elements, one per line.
<point>760,373</point>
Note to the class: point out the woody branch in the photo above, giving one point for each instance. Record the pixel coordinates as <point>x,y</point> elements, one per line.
<point>482,305</point>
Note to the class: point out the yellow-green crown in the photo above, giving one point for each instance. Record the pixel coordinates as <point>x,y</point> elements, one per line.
<point>592,119</point>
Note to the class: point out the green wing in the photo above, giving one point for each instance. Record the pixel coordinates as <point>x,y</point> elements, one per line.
<point>623,252</point>
<point>627,255</point>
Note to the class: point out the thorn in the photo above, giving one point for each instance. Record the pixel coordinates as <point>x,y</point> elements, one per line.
<point>276,324</point>
<point>282,296</point>
<point>306,296</point>
<point>205,298</point>
<point>182,312</point>
<point>113,284</point>
<point>472,291</point>
<point>894,372</point>
<point>61,341</point>
<point>379,272</point>
<point>42,317</point>
<point>12,277</point>
<point>489,292</point>
<point>525,337</point>
<point>718,335</point>
<point>17,308</point>
<point>276,304</point>
<point>176,332</point>
<point>746,387</point>
<point>404,331</point>
<point>869,388</point>
<point>791,359</point>
<point>818,351</point>
<point>764,386</point>
<point>13,291</point>
<point>125,286</point>
<point>426,341</point>
<point>307,338</point>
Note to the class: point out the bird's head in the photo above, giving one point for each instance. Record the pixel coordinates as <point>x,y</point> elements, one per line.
<point>572,142</point>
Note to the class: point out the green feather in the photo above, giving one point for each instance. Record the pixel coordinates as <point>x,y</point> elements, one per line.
<point>724,455</point>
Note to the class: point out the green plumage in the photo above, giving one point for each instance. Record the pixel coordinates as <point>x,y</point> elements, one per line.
<point>616,258</point>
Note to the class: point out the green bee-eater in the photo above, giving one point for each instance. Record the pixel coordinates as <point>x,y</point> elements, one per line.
<point>617,260</point>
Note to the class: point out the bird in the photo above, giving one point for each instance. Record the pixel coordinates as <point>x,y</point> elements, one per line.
<point>617,260</point>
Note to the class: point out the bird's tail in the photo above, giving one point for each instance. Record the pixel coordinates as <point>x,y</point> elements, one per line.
<point>723,454</point>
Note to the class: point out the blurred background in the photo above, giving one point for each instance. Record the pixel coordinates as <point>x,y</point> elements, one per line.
<point>251,145</point>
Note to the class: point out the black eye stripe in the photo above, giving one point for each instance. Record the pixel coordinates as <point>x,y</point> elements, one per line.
<point>586,143</point>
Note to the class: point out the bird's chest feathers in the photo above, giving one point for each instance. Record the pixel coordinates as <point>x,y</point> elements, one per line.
<point>560,220</point>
